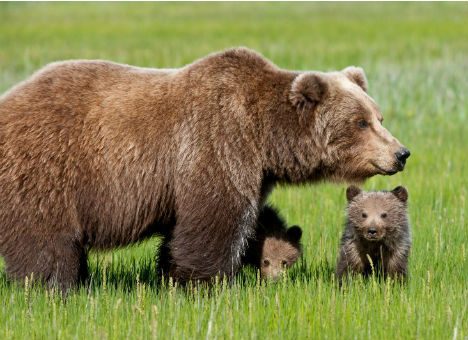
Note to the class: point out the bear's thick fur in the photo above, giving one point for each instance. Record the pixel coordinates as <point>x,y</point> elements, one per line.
<point>377,235</point>
<point>275,247</point>
<point>98,154</point>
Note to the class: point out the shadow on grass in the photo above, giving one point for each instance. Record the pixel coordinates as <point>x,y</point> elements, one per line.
<point>124,272</point>
<point>307,272</point>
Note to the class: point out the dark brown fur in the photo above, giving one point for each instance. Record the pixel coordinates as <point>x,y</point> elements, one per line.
<point>377,234</point>
<point>275,247</point>
<point>98,154</point>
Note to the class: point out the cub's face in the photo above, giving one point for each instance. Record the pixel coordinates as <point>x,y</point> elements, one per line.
<point>377,215</point>
<point>347,125</point>
<point>280,253</point>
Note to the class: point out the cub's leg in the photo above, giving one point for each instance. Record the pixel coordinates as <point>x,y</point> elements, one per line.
<point>349,262</point>
<point>397,265</point>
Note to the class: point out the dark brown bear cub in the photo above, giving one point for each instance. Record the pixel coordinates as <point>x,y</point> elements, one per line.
<point>275,247</point>
<point>377,233</point>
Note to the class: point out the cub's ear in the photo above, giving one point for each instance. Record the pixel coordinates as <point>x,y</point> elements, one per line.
<point>352,192</point>
<point>294,233</point>
<point>308,89</point>
<point>357,76</point>
<point>401,193</point>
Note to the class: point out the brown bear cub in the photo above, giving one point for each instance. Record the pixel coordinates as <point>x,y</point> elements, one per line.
<point>377,235</point>
<point>275,247</point>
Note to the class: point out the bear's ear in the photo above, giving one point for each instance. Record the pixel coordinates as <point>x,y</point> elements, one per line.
<point>401,193</point>
<point>352,192</point>
<point>307,90</point>
<point>294,233</point>
<point>357,76</point>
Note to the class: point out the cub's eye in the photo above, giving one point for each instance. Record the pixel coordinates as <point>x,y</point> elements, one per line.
<point>283,263</point>
<point>266,262</point>
<point>364,215</point>
<point>363,124</point>
<point>383,215</point>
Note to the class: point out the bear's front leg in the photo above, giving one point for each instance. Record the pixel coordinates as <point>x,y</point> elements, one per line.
<point>396,266</point>
<point>210,236</point>
<point>349,262</point>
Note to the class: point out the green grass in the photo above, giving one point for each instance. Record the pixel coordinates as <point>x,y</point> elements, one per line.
<point>416,59</point>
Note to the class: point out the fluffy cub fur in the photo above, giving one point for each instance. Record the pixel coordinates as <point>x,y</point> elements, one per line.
<point>275,247</point>
<point>377,233</point>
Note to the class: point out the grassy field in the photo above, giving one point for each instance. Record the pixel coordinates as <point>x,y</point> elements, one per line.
<point>416,59</point>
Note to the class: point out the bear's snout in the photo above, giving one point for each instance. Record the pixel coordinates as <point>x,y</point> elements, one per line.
<point>401,155</point>
<point>275,275</point>
<point>372,231</point>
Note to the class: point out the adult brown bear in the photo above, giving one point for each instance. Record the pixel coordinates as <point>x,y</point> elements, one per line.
<point>97,154</point>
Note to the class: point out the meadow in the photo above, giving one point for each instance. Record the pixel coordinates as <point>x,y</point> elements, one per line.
<point>416,59</point>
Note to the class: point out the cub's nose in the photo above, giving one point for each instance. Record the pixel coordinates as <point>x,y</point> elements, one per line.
<point>402,154</point>
<point>372,231</point>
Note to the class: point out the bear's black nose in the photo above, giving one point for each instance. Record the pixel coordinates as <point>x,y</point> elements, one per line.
<point>402,154</point>
<point>372,231</point>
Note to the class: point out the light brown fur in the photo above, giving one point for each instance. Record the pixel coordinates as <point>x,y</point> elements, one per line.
<point>278,254</point>
<point>377,235</point>
<point>98,154</point>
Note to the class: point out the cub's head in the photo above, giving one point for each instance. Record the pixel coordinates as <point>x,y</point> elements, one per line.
<point>280,252</point>
<point>346,125</point>
<point>377,215</point>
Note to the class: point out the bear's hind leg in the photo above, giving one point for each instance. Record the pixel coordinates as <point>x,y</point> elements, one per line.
<point>164,257</point>
<point>57,263</point>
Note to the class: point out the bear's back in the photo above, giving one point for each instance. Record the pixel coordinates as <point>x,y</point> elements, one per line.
<point>74,86</point>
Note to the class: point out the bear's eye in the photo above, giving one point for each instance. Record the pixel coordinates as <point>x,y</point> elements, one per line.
<point>364,215</point>
<point>363,124</point>
<point>284,262</point>
<point>383,215</point>
<point>266,262</point>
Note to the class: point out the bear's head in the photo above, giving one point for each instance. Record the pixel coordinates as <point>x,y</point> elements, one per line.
<point>379,215</point>
<point>346,126</point>
<point>280,252</point>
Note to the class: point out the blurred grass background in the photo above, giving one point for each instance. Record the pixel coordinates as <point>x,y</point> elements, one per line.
<point>416,59</point>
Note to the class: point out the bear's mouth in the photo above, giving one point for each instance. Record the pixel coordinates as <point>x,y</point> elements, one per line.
<point>383,171</point>
<point>373,238</point>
